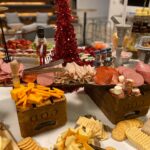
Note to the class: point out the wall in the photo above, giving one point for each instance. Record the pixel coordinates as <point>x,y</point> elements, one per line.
<point>101,6</point>
<point>115,8</point>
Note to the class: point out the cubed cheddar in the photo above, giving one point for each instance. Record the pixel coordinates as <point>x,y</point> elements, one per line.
<point>29,94</point>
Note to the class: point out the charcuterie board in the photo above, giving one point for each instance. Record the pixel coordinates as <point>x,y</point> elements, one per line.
<point>4,132</point>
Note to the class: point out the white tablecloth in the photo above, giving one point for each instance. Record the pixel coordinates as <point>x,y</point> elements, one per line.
<point>77,104</point>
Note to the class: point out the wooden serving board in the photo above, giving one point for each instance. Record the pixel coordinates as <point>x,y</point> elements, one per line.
<point>5,133</point>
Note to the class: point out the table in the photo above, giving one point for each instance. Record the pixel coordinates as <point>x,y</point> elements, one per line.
<point>84,21</point>
<point>78,104</point>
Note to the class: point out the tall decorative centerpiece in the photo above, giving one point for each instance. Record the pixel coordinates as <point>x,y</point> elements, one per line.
<point>65,38</point>
<point>121,32</point>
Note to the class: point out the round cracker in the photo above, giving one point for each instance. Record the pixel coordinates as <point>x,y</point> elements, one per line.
<point>28,145</point>
<point>24,141</point>
<point>110,148</point>
<point>33,147</point>
<point>122,125</point>
<point>118,134</point>
<point>25,144</point>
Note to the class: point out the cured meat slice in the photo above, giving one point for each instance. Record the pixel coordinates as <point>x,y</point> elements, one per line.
<point>144,70</point>
<point>5,67</point>
<point>106,75</point>
<point>1,61</point>
<point>131,74</point>
<point>45,79</point>
<point>29,78</point>
<point>21,67</point>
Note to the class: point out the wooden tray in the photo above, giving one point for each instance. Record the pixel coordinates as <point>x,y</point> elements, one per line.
<point>39,119</point>
<point>5,132</point>
<point>120,109</point>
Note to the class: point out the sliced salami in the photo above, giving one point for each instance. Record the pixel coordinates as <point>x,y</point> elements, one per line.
<point>144,70</point>
<point>5,67</point>
<point>1,61</point>
<point>21,67</point>
<point>45,79</point>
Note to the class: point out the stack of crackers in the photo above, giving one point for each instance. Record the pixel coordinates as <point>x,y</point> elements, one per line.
<point>94,126</point>
<point>4,142</point>
<point>119,131</point>
<point>29,144</point>
<point>139,139</point>
<point>146,127</point>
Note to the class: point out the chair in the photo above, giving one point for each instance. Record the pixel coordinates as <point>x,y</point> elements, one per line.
<point>49,32</point>
<point>13,21</point>
<point>41,19</point>
<point>29,32</point>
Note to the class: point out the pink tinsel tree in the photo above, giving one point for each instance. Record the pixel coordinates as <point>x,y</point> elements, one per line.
<point>65,38</point>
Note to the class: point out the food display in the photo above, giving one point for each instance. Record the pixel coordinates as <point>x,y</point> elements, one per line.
<point>19,46</point>
<point>109,73</point>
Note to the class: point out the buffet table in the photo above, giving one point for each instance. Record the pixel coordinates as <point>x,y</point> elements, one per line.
<point>79,104</point>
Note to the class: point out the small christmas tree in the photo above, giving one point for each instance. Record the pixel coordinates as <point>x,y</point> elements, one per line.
<point>65,38</point>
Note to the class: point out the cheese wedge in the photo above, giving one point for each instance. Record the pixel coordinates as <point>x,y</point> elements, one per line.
<point>4,142</point>
<point>138,138</point>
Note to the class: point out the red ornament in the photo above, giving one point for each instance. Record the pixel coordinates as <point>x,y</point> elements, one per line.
<point>65,38</point>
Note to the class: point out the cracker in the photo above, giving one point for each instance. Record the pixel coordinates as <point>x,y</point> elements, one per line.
<point>83,121</point>
<point>110,148</point>
<point>29,144</point>
<point>118,135</point>
<point>138,138</point>
<point>24,141</point>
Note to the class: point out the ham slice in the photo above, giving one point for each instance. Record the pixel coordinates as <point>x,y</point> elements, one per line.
<point>1,61</point>
<point>5,67</point>
<point>45,79</point>
<point>144,70</point>
<point>131,74</point>
<point>29,78</point>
